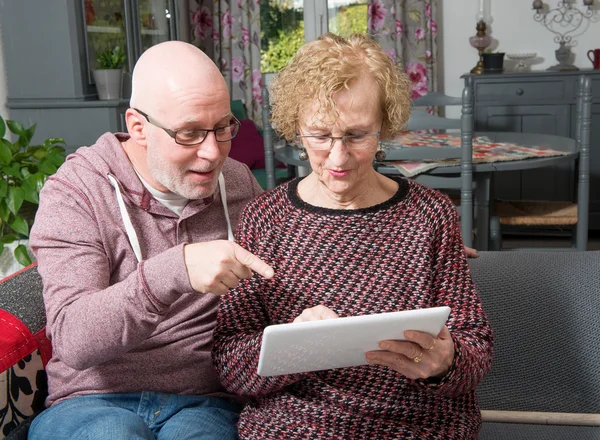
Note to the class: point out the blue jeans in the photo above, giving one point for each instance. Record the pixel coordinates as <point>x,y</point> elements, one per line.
<point>146,415</point>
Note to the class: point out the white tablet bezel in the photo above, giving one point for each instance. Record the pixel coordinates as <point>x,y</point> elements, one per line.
<point>342,342</point>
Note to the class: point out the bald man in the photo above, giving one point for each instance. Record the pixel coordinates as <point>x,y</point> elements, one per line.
<point>131,239</point>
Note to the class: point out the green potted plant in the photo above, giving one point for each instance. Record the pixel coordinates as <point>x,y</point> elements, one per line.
<point>493,62</point>
<point>24,169</point>
<point>109,73</point>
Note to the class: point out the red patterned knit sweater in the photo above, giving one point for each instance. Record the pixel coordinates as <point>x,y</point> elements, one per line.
<point>405,253</point>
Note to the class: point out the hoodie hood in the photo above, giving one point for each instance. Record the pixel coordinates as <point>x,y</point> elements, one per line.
<point>110,161</point>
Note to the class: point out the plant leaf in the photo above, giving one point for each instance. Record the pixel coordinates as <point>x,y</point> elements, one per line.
<point>8,238</point>
<point>56,158</point>
<point>21,157</point>
<point>11,171</point>
<point>47,167</point>
<point>3,188</point>
<point>5,152</point>
<point>1,248</point>
<point>20,226</point>
<point>59,149</point>
<point>30,132</point>
<point>53,141</point>
<point>26,172</point>
<point>15,147</point>
<point>38,151</point>
<point>2,131</point>
<point>29,192</point>
<point>16,128</point>
<point>4,212</point>
<point>37,180</point>
<point>15,199</point>
<point>22,256</point>
<point>23,141</point>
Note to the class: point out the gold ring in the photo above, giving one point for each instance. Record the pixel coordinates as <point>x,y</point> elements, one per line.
<point>430,349</point>
<point>418,358</point>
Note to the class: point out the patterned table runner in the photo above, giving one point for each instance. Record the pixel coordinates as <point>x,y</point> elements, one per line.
<point>484,150</point>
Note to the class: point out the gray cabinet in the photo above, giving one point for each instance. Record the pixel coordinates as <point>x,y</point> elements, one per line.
<point>49,51</point>
<point>538,102</point>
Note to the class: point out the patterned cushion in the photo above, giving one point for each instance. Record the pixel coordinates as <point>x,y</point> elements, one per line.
<point>24,348</point>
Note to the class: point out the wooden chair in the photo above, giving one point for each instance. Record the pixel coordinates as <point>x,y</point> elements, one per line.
<point>559,214</point>
<point>544,309</point>
<point>270,138</point>
<point>422,120</point>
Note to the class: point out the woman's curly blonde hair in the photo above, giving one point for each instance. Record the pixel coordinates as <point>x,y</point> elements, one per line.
<point>329,64</point>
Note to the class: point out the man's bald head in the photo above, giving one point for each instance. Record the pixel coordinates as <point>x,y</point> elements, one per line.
<point>168,69</point>
<point>178,88</point>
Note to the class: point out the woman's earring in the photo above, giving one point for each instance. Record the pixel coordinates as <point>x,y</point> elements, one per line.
<point>380,155</point>
<point>302,154</point>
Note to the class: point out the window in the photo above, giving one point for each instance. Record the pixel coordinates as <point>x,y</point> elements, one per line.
<point>287,24</point>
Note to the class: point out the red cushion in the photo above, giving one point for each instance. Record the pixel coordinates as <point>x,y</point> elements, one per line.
<point>247,147</point>
<point>17,340</point>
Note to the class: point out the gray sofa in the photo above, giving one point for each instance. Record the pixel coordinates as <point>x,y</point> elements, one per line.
<point>544,308</point>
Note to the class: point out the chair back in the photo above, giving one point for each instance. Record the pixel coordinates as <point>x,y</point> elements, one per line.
<point>268,137</point>
<point>422,120</point>
<point>554,213</point>
<point>544,309</point>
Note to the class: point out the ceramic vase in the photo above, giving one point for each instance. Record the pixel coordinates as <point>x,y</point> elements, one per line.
<point>108,83</point>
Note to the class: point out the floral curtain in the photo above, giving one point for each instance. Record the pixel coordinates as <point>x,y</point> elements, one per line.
<point>407,31</point>
<point>229,32</point>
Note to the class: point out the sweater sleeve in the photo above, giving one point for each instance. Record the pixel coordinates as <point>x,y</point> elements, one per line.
<point>241,320</point>
<point>468,323</point>
<point>91,319</point>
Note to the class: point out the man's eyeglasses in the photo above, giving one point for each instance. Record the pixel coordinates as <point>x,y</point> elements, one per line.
<point>188,137</point>
<point>351,141</point>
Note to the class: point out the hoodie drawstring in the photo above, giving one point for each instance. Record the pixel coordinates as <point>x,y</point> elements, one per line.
<point>131,234</point>
<point>224,201</point>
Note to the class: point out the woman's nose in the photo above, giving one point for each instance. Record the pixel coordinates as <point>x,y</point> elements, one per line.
<point>339,152</point>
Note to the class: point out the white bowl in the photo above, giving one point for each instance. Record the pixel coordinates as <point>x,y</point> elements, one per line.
<point>521,56</point>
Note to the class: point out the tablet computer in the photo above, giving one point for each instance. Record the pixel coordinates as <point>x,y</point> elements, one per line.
<point>341,342</point>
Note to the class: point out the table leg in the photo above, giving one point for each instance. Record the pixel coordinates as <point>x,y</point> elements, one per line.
<point>482,209</point>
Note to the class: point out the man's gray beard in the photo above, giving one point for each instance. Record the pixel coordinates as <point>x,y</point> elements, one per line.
<point>167,176</point>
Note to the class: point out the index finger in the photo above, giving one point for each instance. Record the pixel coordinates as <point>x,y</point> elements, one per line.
<point>251,261</point>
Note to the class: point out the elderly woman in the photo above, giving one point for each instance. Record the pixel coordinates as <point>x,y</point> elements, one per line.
<point>348,241</point>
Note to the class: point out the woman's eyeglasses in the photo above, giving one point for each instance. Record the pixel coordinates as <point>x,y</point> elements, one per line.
<point>351,141</point>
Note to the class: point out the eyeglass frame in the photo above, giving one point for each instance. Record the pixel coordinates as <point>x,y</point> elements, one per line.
<point>342,138</point>
<point>173,133</point>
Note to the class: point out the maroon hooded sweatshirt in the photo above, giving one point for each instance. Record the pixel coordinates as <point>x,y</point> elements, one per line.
<point>118,325</point>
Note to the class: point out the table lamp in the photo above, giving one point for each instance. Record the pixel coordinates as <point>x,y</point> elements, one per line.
<point>480,42</point>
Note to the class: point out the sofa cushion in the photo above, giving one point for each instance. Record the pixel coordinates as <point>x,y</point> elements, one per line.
<point>238,109</point>
<point>247,147</point>
<point>24,348</point>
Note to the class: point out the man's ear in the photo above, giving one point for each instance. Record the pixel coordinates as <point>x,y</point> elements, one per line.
<point>135,126</point>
